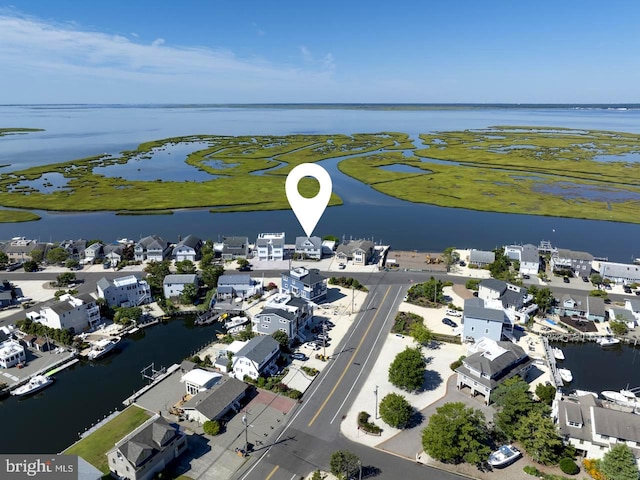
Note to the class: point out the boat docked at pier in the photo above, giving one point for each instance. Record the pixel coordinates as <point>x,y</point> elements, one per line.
<point>102,347</point>
<point>35,384</point>
<point>557,353</point>
<point>504,456</point>
<point>565,375</point>
<point>607,341</point>
<point>236,322</point>
<point>625,397</point>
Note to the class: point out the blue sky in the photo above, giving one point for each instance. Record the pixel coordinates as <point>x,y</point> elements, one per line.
<point>206,51</point>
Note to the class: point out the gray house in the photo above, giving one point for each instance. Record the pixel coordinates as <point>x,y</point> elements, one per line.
<point>527,255</point>
<point>479,322</point>
<point>147,450</point>
<point>173,285</point>
<point>481,258</point>
<point>188,248</point>
<point>620,273</point>
<point>235,247</point>
<point>309,247</point>
<point>583,307</point>
<point>578,262</point>
<point>237,285</point>
<point>152,249</point>
<point>75,248</point>
<point>308,284</point>
<point>213,404</point>
<point>286,313</point>
<point>359,252</point>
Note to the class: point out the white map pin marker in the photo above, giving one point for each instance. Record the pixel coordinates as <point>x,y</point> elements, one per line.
<point>308,210</point>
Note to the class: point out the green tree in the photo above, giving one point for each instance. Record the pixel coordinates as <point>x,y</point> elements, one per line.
<point>189,294</point>
<point>156,271</point>
<point>37,255</point>
<point>599,293</point>
<point>538,436</point>
<point>395,410</point>
<point>128,252</point>
<point>185,267</point>
<point>344,464</point>
<point>4,259</point>
<point>619,463</point>
<point>501,266</point>
<point>207,255</point>
<point>127,314</point>
<point>211,427</point>
<point>211,274</point>
<point>456,433</point>
<point>473,284</point>
<point>546,393</point>
<point>65,279</point>
<point>407,370</point>
<point>57,256</point>
<point>420,333</point>
<point>72,264</point>
<point>318,476</point>
<point>513,401</point>
<point>282,338</point>
<point>619,325</point>
<point>543,297</point>
<point>242,262</point>
<point>596,279</point>
<point>450,256</point>
<point>429,292</point>
<point>30,266</point>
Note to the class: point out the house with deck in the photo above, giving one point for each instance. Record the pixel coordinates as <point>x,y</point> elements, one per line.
<point>358,252</point>
<point>74,313</point>
<point>11,353</point>
<point>75,248</point>
<point>238,285</point>
<point>173,285</point>
<point>233,247</point>
<point>305,283</point>
<point>515,301</point>
<point>257,357</point>
<point>620,273</point>
<point>224,397</point>
<point>580,306</point>
<point>309,247</point>
<point>129,291</point>
<point>93,252</point>
<point>527,255</point>
<point>189,248</point>
<point>19,249</point>
<point>286,313</point>
<point>270,246</point>
<point>578,263</point>
<point>152,248</point>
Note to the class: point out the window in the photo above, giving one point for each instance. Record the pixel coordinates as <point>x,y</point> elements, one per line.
<point>267,320</point>
<point>283,320</point>
<point>486,330</point>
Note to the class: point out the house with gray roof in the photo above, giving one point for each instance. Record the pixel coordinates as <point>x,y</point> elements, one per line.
<point>128,291</point>
<point>488,364</point>
<point>74,313</point>
<point>147,450</point>
<point>620,273</point>
<point>579,263</point>
<point>286,313</point>
<point>270,246</point>
<point>93,252</point>
<point>174,284</point>
<point>189,248</point>
<point>19,249</point>
<point>309,247</point>
<point>215,403</point>
<point>580,306</point>
<point>257,357</point>
<point>622,315</point>
<point>359,252</point>
<point>589,426</point>
<point>75,248</point>
<point>481,258</point>
<point>633,305</point>
<point>513,299</point>
<point>235,247</point>
<point>237,285</point>
<point>152,248</point>
<point>479,322</point>
<point>527,255</point>
<point>306,283</point>
<point>113,253</point>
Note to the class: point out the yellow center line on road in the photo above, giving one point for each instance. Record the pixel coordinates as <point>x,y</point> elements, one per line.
<point>275,469</point>
<point>335,387</point>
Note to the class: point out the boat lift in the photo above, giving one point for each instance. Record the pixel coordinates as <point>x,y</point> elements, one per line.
<point>150,373</point>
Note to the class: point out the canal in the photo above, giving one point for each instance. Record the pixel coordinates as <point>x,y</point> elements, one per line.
<point>52,419</point>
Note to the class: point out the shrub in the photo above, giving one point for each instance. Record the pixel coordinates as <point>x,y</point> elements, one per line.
<point>592,467</point>
<point>531,470</point>
<point>366,425</point>
<point>568,466</point>
<point>211,427</point>
<point>457,363</point>
<point>312,372</point>
<point>295,394</point>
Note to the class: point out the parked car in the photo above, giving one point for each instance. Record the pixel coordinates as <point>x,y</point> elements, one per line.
<point>322,336</point>
<point>626,288</point>
<point>341,266</point>
<point>566,280</point>
<point>311,345</point>
<point>453,313</point>
<point>463,264</point>
<point>449,322</point>
<point>299,356</point>
<point>585,279</point>
<point>526,277</point>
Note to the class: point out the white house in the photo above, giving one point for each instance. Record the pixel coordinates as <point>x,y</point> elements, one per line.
<point>126,291</point>
<point>237,285</point>
<point>188,248</point>
<point>527,255</point>
<point>514,300</point>
<point>11,353</point>
<point>309,247</point>
<point>174,284</point>
<point>621,273</point>
<point>359,252</point>
<point>258,356</point>
<point>73,313</point>
<point>270,246</point>
<point>633,305</point>
<point>224,396</point>
<point>93,252</point>
<point>152,249</point>
<point>198,380</point>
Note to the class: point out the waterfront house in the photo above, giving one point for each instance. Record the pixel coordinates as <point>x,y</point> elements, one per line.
<point>198,380</point>
<point>19,249</point>
<point>286,313</point>
<point>113,253</point>
<point>74,313</point>
<point>256,358</point>
<point>225,396</point>
<point>174,284</point>
<point>189,248</point>
<point>620,273</point>
<point>235,247</point>
<point>309,247</point>
<point>126,291</point>
<point>580,306</point>
<point>633,305</point>
<point>592,429</point>
<point>75,248</point>
<point>147,450</point>
<point>93,252</point>
<point>11,353</point>
<point>578,263</point>
<point>42,344</point>
<point>270,246</point>
<point>152,248</point>
<point>527,255</point>
<point>481,258</point>
<point>308,284</point>
<point>488,364</point>
<point>358,252</point>
<point>237,285</point>
<point>513,299</point>
<point>622,315</point>
<point>480,322</point>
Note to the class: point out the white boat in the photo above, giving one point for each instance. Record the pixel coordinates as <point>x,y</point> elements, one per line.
<point>102,347</point>
<point>236,322</point>
<point>582,393</point>
<point>565,375</point>
<point>35,384</point>
<point>625,397</point>
<point>505,455</point>
<point>607,341</point>
<point>234,330</point>
<point>557,353</point>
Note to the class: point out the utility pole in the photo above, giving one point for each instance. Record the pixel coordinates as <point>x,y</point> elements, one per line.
<point>376,393</point>
<point>245,421</point>
<point>352,300</point>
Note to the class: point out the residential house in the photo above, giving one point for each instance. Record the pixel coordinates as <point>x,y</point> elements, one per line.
<point>286,313</point>
<point>19,249</point>
<point>309,247</point>
<point>620,273</point>
<point>113,253</point>
<point>633,305</point>
<point>216,402</point>
<point>257,357</point>
<point>198,380</point>
<point>622,315</point>
<point>11,354</point>
<point>481,258</point>
<point>479,322</point>
<point>152,248</point>
<point>6,294</point>
<point>189,248</point>
<point>41,344</point>
<point>358,252</point>
<point>147,450</point>
<point>75,248</point>
<point>74,313</point>
<point>527,255</point>
<point>126,291</point>
<point>173,285</point>
<point>237,285</point>
<point>235,247</point>
<point>579,263</point>
<point>592,429</point>
<point>93,252</point>
<point>583,307</point>
<point>514,300</point>
<point>490,363</point>
<point>270,246</point>
<point>308,284</point>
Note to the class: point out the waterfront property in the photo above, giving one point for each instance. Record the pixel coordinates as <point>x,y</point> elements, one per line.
<point>358,252</point>
<point>233,247</point>
<point>308,284</point>
<point>620,273</point>
<point>514,300</point>
<point>582,307</point>
<point>489,363</point>
<point>258,356</point>
<point>286,313</point>
<point>527,255</point>
<point>578,263</point>
<point>93,252</point>
<point>19,248</point>
<point>481,258</point>
<point>113,253</point>
<point>73,313</point>
<point>479,321</point>
<point>237,285</point>
<point>309,247</point>
<point>270,246</point>
<point>225,396</point>
<point>147,450</point>
<point>189,248</point>
<point>75,248</point>
<point>174,284</point>
<point>633,305</point>
<point>11,354</point>
<point>152,248</point>
<point>126,291</point>
<point>197,380</point>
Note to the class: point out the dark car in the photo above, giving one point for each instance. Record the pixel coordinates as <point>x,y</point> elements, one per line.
<point>246,268</point>
<point>526,277</point>
<point>566,280</point>
<point>449,322</point>
<point>299,356</point>
<point>463,264</point>
<point>585,279</point>
<point>626,288</point>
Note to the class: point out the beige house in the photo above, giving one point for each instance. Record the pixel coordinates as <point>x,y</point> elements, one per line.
<point>359,252</point>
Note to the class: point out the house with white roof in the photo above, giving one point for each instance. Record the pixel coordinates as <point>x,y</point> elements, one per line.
<point>257,357</point>
<point>306,283</point>
<point>74,313</point>
<point>128,291</point>
<point>270,246</point>
<point>198,380</point>
<point>527,255</point>
<point>11,354</point>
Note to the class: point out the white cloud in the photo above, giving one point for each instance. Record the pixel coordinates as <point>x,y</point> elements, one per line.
<point>306,54</point>
<point>134,34</point>
<point>157,42</point>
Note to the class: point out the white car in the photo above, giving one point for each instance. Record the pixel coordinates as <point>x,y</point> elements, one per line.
<point>453,313</point>
<point>312,346</point>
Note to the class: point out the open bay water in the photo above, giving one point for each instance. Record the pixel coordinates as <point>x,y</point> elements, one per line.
<point>76,131</point>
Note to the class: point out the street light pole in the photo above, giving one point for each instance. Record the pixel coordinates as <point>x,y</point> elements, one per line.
<point>376,393</point>
<point>352,300</point>
<point>245,420</point>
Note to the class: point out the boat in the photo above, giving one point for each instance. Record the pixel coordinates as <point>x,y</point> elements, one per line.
<point>582,393</point>
<point>607,341</point>
<point>236,322</point>
<point>557,353</point>
<point>102,347</point>
<point>504,456</point>
<point>624,397</point>
<point>35,384</point>
<point>236,329</point>
<point>565,375</point>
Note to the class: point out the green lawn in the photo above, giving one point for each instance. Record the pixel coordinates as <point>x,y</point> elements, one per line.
<point>94,447</point>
